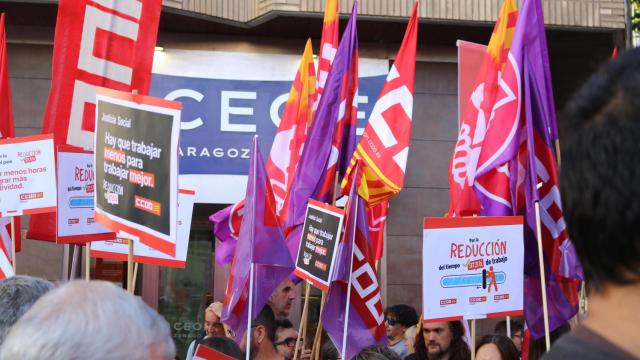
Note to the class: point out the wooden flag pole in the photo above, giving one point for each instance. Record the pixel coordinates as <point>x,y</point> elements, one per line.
<point>13,244</point>
<point>87,261</point>
<point>130,268</point>
<point>473,339</point>
<point>543,282</point>
<point>303,320</point>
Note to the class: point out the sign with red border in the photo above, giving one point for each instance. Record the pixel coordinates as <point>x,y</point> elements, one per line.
<point>207,353</point>
<point>136,159</point>
<point>473,268</point>
<point>118,249</point>
<point>320,235</point>
<point>26,174</point>
<point>76,187</point>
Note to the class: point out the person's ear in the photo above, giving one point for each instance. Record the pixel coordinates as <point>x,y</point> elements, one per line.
<point>261,334</point>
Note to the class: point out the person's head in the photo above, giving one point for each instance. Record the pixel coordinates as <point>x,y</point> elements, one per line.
<point>600,128</point>
<point>223,345</point>
<point>377,353</point>
<point>212,324</point>
<point>410,338</point>
<point>398,318</point>
<point>442,339</point>
<point>286,337</point>
<point>17,295</point>
<point>496,347</point>
<point>263,333</point>
<point>282,299</point>
<point>517,329</point>
<point>81,319</point>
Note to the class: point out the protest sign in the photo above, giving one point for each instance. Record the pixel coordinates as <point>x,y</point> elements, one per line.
<point>136,157</point>
<point>76,187</point>
<point>472,268</point>
<point>320,235</point>
<point>26,176</point>
<point>118,249</point>
<point>207,353</point>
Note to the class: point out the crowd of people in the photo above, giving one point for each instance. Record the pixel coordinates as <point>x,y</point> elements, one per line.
<point>600,178</point>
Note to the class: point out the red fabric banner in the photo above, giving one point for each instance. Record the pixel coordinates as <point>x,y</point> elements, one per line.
<point>97,43</point>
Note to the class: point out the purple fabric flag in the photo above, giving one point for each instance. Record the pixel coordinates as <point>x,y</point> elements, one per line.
<point>355,262</point>
<point>563,271</point>
<point>317,153</point>
<point>221,227</point>
<point>261,244</point>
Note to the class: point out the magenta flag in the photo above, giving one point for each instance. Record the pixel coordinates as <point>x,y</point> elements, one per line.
<point>331,132</point>
<point>261,244</point>
<point>353,301</point>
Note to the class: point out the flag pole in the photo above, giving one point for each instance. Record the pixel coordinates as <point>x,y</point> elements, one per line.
<point>13,244</point>
<point>543,282</point>
<point>249,315</point>
<point>130,289</point>
<point>347,307</point>
<point>509,327</point>
<point>87,261</point>
<point>473,339</point>
<point>303,320</point>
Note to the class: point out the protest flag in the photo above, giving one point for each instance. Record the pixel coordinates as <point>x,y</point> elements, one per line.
<point>332,131</point>
<point>377,216</point>
<point>328,46</point>
<point>477,151</point>
<point>353,315</point>
<point>283,158</point>
<point>553,272</point>
<point>261,259</point>
<point>384,146</point>
<point>6,267</point>
<point>108,44</point>
<point>7,130</point>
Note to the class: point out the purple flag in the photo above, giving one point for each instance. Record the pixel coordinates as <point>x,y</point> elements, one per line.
<point>563,271</point>
<point>221,227</point>
<point>353,314</point>
<point>318,153</point>
<point>260,246</point>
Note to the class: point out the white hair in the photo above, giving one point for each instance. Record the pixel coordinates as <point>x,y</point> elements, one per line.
<point>89,320</point>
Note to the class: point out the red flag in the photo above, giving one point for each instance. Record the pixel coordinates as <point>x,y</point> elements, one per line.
<point>108,44</point>
<point>377,218</point>
<point>491,100</point>
<point>384,146</point>
<point>7,129</point>
<point>328,46</point>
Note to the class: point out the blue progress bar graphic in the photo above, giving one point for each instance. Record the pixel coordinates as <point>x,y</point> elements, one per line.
<point>81,202</point>
<point>477,280</point>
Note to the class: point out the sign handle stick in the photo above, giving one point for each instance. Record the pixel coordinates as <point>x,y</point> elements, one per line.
<point>250,315</point>
<point>509,327</point>
<point>543,282</point>
<point>304,319</point>
<point>135,273</point>
<point>315,349</point>
<point>557,143</point>
<point>473,339</point>
<point>87,261</point>
<point>74,262</point>
<point>130,268</point>
<point>13,244</point>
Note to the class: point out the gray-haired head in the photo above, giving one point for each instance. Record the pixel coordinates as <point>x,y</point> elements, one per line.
<point>17,294</point>
<point>89,320</point>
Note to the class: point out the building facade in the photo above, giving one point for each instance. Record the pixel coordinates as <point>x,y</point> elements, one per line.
<point>581,35</point>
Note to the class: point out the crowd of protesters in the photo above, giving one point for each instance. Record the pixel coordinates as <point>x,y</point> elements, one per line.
<point>600,178</point>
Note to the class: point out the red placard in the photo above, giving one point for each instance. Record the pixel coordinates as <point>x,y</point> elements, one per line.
<point>207,353</point>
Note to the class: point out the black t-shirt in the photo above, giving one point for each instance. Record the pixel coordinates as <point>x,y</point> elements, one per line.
<point>585,344</point>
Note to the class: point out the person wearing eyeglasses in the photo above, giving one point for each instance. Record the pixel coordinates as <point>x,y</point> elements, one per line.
<point>286,336</point>
<point>398,319</point>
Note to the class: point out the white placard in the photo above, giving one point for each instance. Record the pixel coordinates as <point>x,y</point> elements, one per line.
<point>472,268</point>
<point>118,249</point>
<point>27,175</point>
<point>76,187</point>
